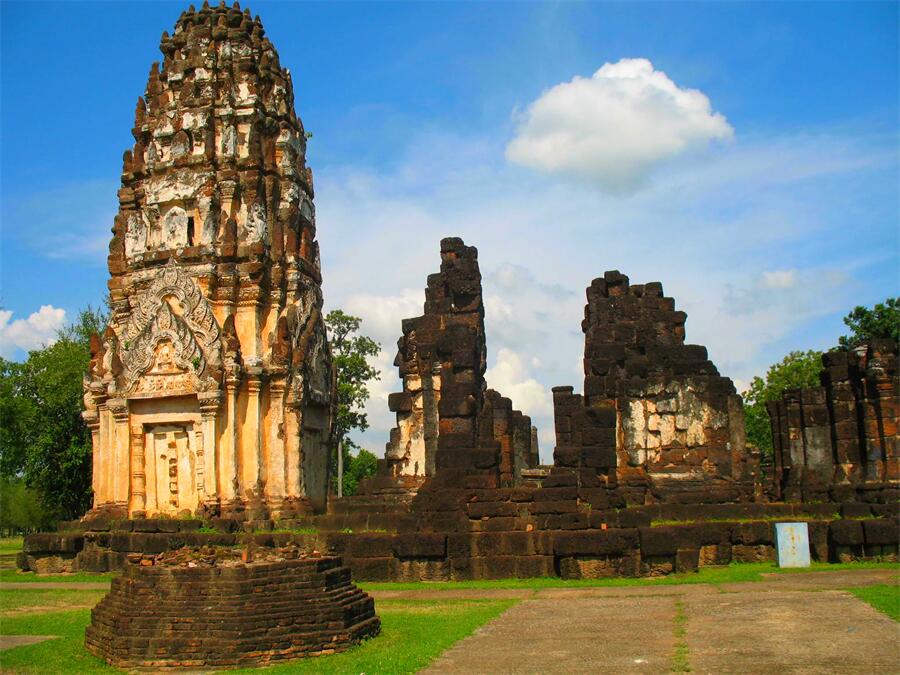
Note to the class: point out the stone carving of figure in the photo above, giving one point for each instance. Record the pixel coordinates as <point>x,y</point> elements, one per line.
<point>175,228</point>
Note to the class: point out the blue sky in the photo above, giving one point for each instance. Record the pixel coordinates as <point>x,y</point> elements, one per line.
<point>768,212</point>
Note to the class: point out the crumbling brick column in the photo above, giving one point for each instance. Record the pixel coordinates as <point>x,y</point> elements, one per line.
<point>654,407</point>
<point>448,421</point>
<point>838,438</point>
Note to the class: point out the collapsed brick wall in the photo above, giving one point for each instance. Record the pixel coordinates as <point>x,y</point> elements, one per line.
<point>841,437</point>
<point>656,417</point>
<point>447,419</point>
<point>213,616</point>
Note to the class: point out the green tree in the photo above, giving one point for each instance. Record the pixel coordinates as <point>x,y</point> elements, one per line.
<point>882,321</point>
<point>350,352</point>
<point>797,369</point>
<point>17,414</point>
<point>45,439</point>
<point>21,509</point>
<point>357,467</point>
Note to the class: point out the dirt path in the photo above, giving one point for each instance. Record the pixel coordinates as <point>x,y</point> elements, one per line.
<point>790,632</point>
<point>577,635</point>
<point>790,623</point>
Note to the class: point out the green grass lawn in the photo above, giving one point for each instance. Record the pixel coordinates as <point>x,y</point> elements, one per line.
<point>883,597</point>
<point>413,634</point>
<point>66,654</point>
<point>16,601</point>
<point>10,545</point>
<point>15,576</point>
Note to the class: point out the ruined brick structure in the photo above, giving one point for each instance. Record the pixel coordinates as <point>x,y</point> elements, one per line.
<point>212,388</point>
<point>216,615</point>
<point>656,418</point>
<point>840,439</point>
<point>445,411</point>
<point>211,392</point>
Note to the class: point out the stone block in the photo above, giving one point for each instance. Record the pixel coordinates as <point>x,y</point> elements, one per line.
<point>372,569</point>
<point>366,545</point>
<point>687,559</point>
<point>603,543</point>
<point>855,510</point>
<point>846,533</point>
<point>881,532</point>
<point>420,545</point>
<point>755,533</point>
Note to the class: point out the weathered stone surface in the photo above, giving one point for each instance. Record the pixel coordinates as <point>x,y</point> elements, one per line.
<point>446,416</point>
<point>211,390</point>
<point>236,614</point>
<point>840,439</point>
<point>655,413</point>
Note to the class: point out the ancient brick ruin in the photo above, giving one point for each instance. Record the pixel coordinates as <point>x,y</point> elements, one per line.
<point>213,613</point>
<point>650,475</point>
<point>211,390</point>
<point>839,441</point>
<point>210,395</point>
<point>445,411</point>
<point>656,418</point>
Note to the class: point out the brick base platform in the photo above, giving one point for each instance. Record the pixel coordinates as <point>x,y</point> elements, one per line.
<point>238,615</point>
<point>569,543</point>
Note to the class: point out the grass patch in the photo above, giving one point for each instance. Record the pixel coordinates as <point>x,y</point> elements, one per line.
<point>736,572</point>
<point>63,655</point>
<point>680,663</point>
<point>414,633</point>
<point>10,545</point>
<point>46,599</point>
<point>883,597</point>
<point>15,576</point>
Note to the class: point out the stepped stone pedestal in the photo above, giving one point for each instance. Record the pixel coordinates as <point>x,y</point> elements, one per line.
<point>229,614</point>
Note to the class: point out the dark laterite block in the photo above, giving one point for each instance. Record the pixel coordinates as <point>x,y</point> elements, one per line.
<point>846,532</point>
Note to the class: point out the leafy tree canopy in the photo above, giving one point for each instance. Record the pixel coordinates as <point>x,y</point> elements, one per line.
<point>21,509</point>
<point>796,370</point>
<point>44,439</point>
<point>350,352</point>
<point>882,321</point>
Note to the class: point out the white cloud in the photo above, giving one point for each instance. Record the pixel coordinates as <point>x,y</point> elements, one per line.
<point>511,377</point>
<point>779,279</point>
<point>381,314</point>
<point>613,128</point>
<point>38,330</point>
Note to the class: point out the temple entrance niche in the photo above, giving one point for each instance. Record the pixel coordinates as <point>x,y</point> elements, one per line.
<point>171,467</point>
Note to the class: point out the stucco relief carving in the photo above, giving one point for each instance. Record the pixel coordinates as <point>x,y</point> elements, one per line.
<point>172,331</point>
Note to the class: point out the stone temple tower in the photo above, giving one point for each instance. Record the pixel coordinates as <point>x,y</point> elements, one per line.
<point>212,389</point>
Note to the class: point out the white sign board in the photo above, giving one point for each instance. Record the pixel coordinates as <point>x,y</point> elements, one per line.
<point>792,540</point>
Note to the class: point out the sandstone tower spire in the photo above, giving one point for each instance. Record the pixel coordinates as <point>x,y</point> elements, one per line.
<point>212,388</point>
